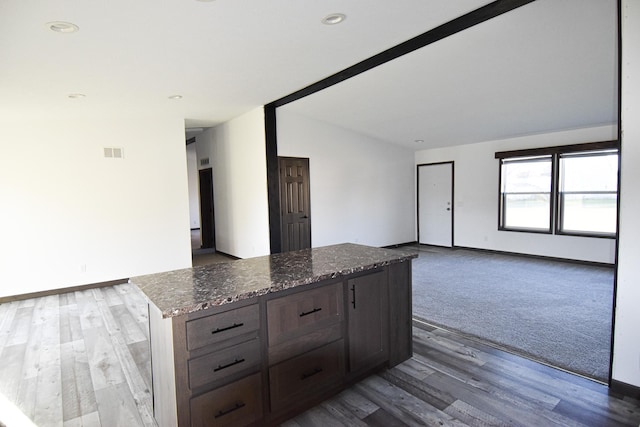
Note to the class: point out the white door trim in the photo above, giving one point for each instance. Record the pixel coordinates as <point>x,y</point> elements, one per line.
<point>423,238</point>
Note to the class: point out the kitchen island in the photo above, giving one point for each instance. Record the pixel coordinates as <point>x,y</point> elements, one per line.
<point>257,341</point>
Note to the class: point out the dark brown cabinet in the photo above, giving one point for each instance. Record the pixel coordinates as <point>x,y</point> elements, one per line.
<point>208,366</point>
<point>368,320</point>
<point>218,365</point>
<point>301,378</point>
<point>260,361</point>
<point>306,346</point>
<point>400,313</point>
<point>236,404</point>
<point>297,322</point>
<point>220,327</point>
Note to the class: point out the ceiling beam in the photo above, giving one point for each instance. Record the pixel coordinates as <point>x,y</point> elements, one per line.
<point>454,26</point>
<point>475,17</point>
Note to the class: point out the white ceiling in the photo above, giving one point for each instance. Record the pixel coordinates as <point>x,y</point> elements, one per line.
<point>548,65</point>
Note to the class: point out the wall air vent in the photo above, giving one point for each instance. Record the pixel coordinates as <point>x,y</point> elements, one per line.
<point>113,152</point>
<point>204,162</point>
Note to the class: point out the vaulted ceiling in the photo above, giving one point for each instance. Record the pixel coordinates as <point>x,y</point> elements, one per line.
<point>548,65</point>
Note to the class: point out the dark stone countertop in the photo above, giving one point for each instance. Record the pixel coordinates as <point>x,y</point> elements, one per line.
<point>192,289</point>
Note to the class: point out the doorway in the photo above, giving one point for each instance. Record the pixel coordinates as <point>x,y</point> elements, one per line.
<point>435,204</point>
<point>295,204</point>
<point>207,220</point>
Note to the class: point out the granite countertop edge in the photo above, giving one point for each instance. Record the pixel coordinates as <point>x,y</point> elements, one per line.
<point>276,286</point>
<point>173,312</point>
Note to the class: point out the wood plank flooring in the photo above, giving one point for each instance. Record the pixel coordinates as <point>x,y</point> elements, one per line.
<point>78,359</point>
<point>82,359</point>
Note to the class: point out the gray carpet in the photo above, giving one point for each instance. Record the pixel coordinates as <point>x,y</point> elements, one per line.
<point>552,311</point>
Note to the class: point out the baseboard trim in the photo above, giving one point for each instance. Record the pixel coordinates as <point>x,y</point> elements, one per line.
<point>400,245</point>
<point>550,258</point>
<point>625,389</point>
<point>59,291</point>
<point>230,256</point>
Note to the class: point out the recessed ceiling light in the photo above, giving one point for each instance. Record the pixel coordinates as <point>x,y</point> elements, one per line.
<point>334,18</point>
<point>419,141</point>
<point>76,95</point>
<point>175,97</point>
<point>62,27</point>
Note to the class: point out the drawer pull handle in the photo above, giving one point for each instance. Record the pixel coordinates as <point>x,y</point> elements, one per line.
<point>310,374</point>
<point>235,325</point>
<point>228,365</point>
<point>306,313</point>
<point>235,407</point>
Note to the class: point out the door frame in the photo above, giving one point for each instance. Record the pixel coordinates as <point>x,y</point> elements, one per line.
<point>418,166</point>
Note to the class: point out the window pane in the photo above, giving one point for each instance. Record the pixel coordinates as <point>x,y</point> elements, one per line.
<point>526,193</point>
<point>590,213</point>
<point>588,185</point>
<point>527,211</point>
<point>589,173</point>
<point>532,176</point>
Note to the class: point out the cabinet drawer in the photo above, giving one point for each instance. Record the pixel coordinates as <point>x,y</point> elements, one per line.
<point>237,404</point>
<point>306,375</point>
<point>298,314</point>
<point>219,327</point>
<point>220,364</point>
<point>313,339</point>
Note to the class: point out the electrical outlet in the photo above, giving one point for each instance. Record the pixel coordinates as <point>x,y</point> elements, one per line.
<point>83,268</point>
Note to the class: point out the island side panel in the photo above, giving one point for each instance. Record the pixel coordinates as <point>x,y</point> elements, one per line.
<point>162,368</point>
<point>400,313</point>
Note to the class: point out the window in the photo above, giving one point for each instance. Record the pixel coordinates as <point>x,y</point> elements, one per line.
<point>526,193</point>
<point>566,190</point>
<point>588,191</point>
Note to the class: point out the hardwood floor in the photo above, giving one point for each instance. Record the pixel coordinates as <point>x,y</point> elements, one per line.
<point>82,359</point>
<point>78,359</point>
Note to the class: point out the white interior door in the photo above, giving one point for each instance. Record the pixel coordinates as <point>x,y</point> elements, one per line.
<point>435,209</point>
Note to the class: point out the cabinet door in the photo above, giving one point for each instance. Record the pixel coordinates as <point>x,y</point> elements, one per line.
<point>368,321</point>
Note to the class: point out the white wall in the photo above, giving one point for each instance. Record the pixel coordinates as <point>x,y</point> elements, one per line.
<point>626,354</point>
<point>193,180</point>
<point>69,216</point>
<point>476,198</point>
<point>236,150</point>
<point>362,190</point>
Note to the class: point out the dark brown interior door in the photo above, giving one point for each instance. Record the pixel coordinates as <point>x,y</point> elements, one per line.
<point>207,229</point>
<point>295,207</point>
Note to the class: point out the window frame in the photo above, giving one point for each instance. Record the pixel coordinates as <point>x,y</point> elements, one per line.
<point>555,205</point>
<point>560,194</point>
<point>502,215</point>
